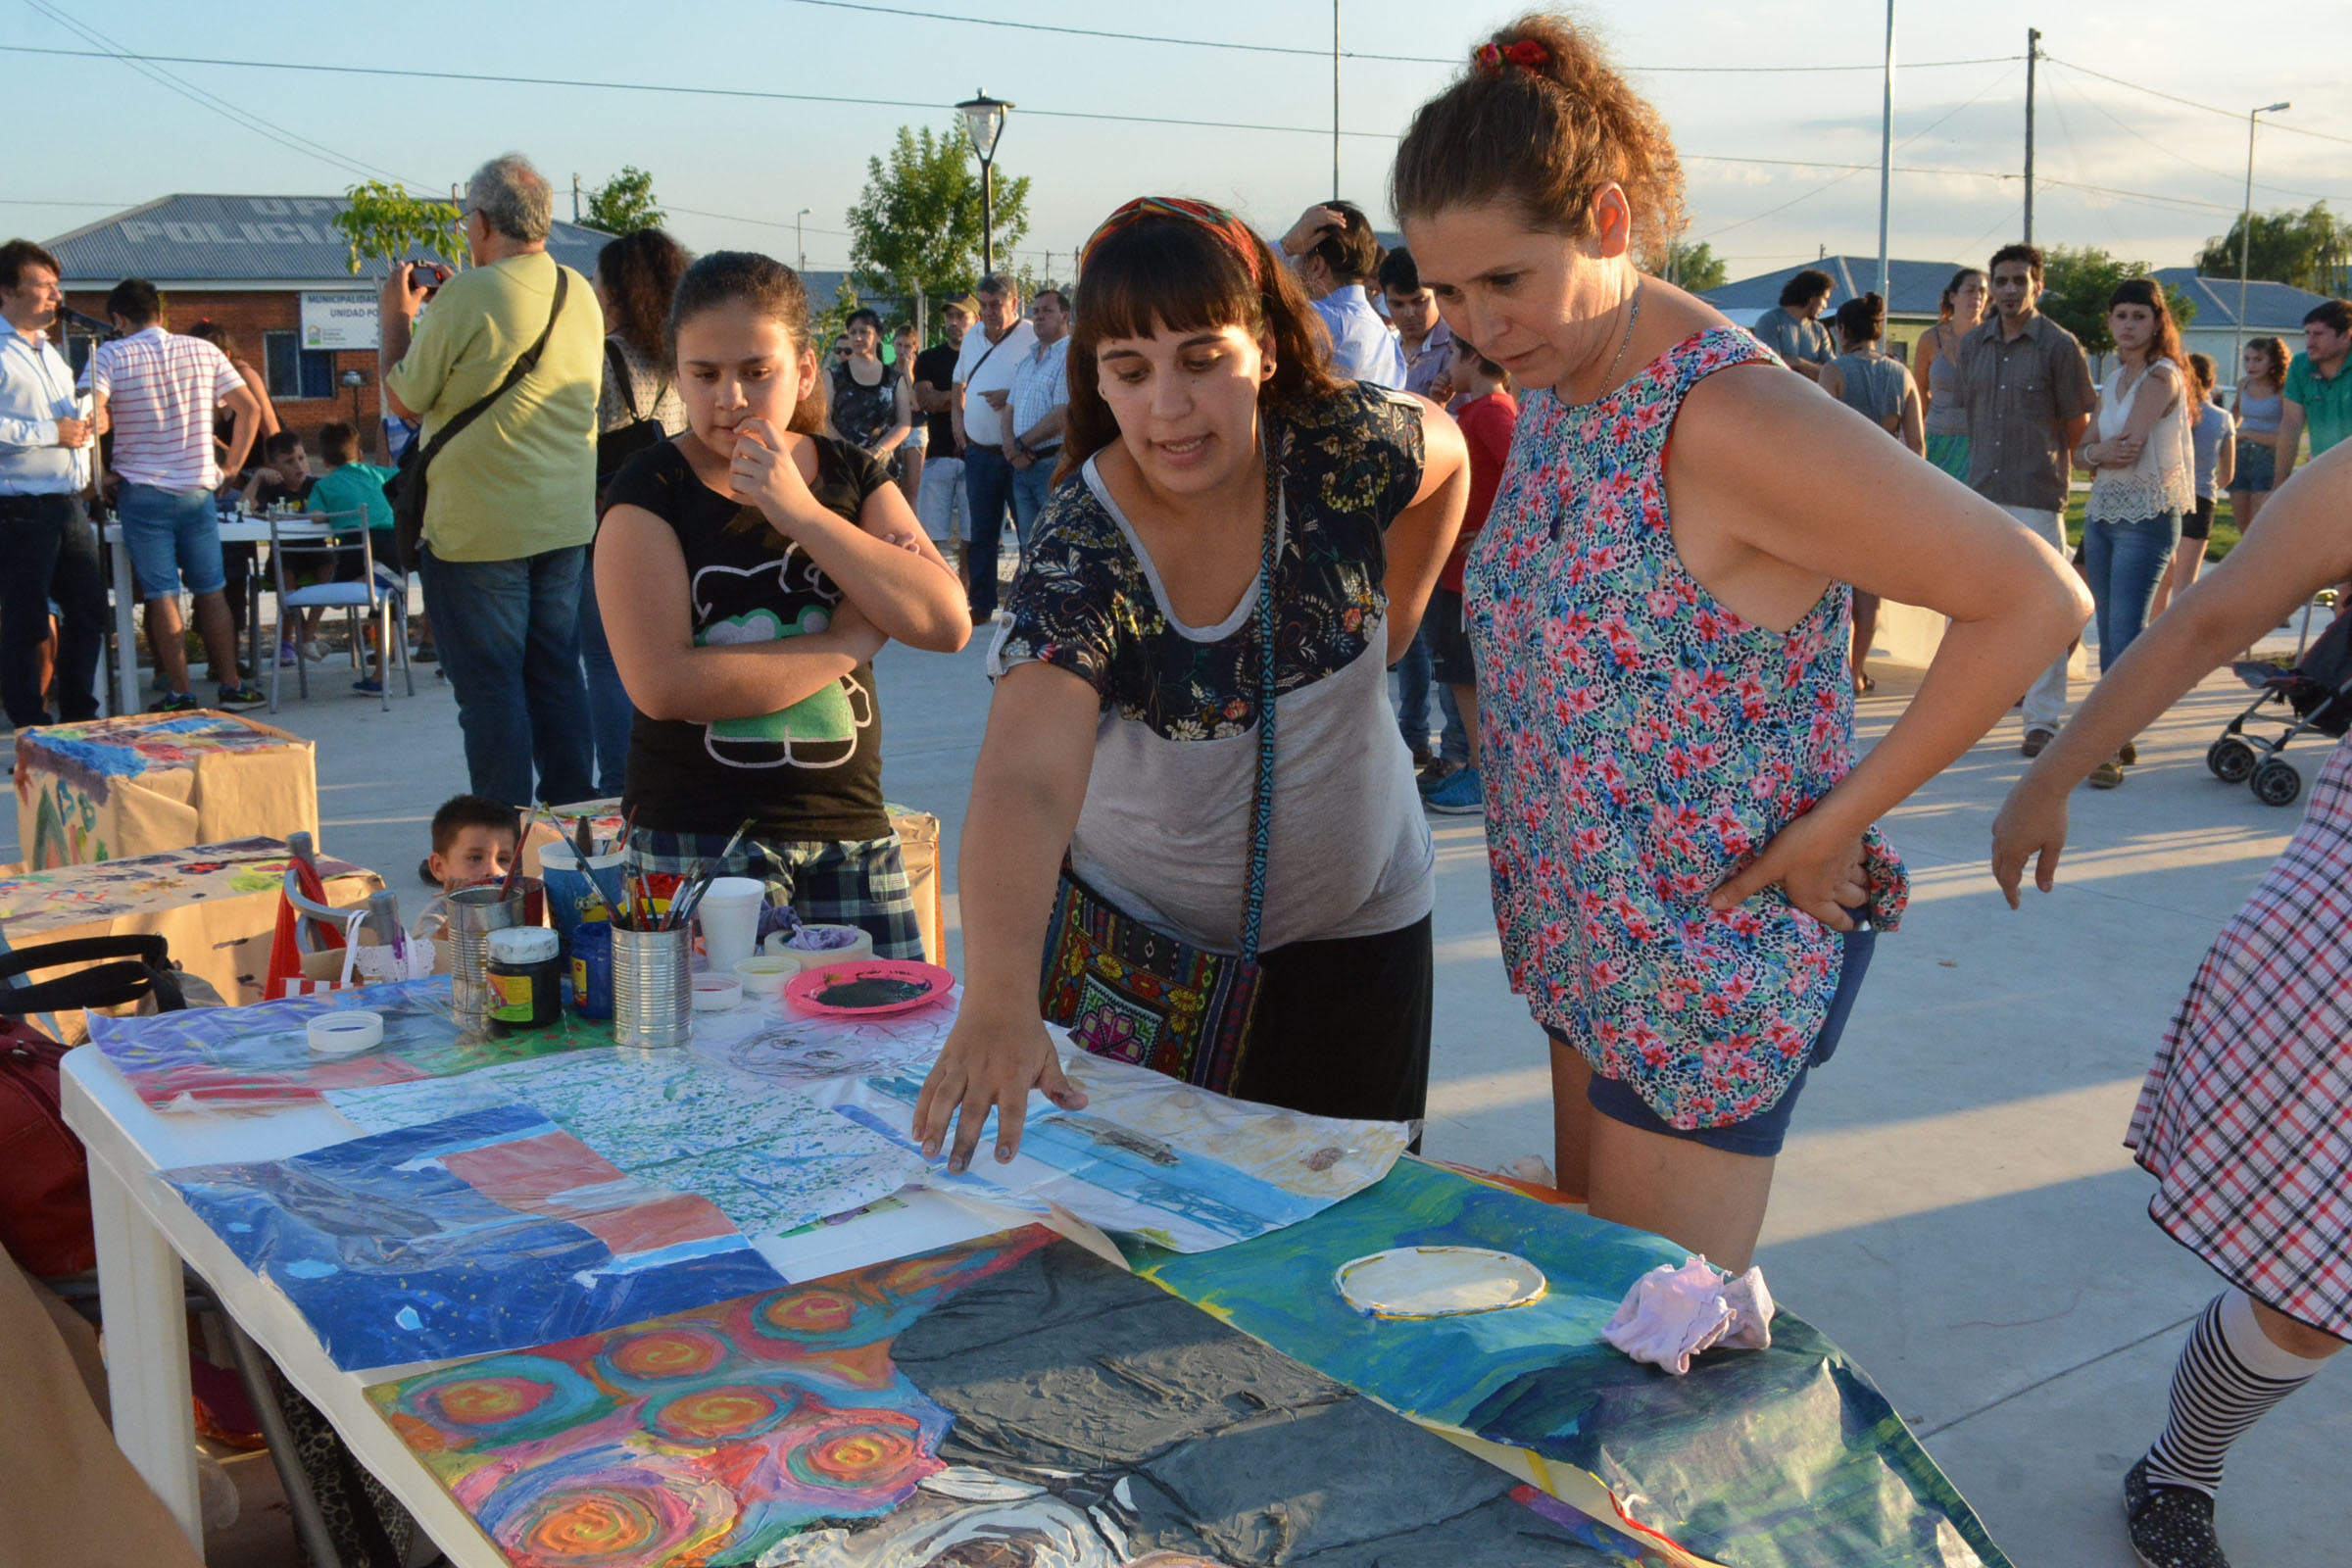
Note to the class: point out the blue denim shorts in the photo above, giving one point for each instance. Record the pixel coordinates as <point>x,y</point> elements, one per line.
<point>172,534</point>
<point>1762,1134</point>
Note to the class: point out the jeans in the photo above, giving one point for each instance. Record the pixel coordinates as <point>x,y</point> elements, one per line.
<point>1415,673</point>
<point>508,634</point>
<point>2045,699</point>
<point>987,492</point>
<point>2125,561</point>
<point>48,552</point>
<point>939,505</point>
<point>611,714</point>
<point>1031,488</point>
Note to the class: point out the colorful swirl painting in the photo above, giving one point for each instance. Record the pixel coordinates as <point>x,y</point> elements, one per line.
<point>703,1438</point>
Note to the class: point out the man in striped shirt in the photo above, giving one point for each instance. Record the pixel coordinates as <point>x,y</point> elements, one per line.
<point>156,391</point>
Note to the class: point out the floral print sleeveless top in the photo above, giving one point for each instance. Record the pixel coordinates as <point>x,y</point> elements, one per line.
<point>1642,742</point>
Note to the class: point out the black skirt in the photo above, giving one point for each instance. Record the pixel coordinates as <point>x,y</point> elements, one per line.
<point>1341,1027</point>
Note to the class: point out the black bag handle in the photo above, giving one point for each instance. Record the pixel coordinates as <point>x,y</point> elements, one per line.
<point>144,964</point>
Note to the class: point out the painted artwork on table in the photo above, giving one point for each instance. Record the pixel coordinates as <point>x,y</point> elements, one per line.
<point>494,1230</point>
<point>131,744</point>
<point>260,1056</point>
<point>35,903</point>
<point>770,1043</point>
<point>769,1157</point>
<point>1009,1399</point>
<point>1787,1457</point>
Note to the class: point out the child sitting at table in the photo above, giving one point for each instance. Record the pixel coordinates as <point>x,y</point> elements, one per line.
<point>283,474</point>
<point>474,839</point>
<point>349,488</point>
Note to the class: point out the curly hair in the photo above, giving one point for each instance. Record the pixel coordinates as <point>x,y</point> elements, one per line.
<point>1541,120</point>
<point>1168,273</point>
<point>2274,357</point>
<point>640,274</point>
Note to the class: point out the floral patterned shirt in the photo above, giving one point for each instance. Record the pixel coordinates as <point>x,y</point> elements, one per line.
<point>1642,742</point>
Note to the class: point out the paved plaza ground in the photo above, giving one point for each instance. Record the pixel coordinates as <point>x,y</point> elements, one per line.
<point>1954,1208</point>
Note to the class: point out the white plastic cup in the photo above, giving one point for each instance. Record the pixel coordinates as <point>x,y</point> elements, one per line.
<point>729,915</point>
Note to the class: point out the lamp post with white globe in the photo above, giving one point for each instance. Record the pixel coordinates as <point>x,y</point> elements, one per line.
<point>984,123</point>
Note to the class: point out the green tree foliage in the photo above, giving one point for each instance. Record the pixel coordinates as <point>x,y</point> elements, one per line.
<point>385,223</point>
<point>917,224</point>
<point>2075,285</point>
<point>1695,267</point>
<point>625,204</point>
<point>828,323</point>
<point>2311,249</point>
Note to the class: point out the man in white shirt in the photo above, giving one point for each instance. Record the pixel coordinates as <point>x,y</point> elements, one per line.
<point>984,369</point>
<point>1040,401</point>
<point>47,551</point>
<point>157,391</point>
<point>1336,255</point>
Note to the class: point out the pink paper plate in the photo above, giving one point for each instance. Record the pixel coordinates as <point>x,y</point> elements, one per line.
<point>878,987</point>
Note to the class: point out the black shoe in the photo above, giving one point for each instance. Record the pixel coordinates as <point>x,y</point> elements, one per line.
<point>2171,1527</point>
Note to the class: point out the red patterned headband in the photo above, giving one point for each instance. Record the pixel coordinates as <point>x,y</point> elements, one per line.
<point>1215,220</point>
<point>1528,54</point>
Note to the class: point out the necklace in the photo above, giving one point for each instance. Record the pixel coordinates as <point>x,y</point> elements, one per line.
<point>1623,343</point>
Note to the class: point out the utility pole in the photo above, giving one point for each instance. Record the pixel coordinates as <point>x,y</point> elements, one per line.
<point>1335,100</point>
<point>1885,149</point>
<point>2033,55</point>
<point>2245,236</point>
<point>575,198</point>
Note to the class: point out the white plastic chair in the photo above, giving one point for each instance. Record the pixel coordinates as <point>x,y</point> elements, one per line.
<point>384,598</point>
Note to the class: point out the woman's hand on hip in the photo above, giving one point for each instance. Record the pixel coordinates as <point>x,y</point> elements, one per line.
<point>2031,824</point>
<point>989,1061</point>
<point>1817,865</point>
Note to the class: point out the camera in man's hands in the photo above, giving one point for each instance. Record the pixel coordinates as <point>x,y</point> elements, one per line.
<point>427,275</point>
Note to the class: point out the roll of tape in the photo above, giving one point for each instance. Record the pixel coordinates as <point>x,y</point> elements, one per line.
<point>717,993</point>
<point>346,1033</point>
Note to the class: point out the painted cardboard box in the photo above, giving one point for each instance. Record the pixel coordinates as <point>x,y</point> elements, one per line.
<point>144,783</point>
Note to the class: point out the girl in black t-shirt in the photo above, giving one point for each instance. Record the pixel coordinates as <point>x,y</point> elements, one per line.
<point>748,570</point>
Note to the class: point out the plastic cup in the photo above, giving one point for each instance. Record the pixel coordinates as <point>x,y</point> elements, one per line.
<point>729,915</point>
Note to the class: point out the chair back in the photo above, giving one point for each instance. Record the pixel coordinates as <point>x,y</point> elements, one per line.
<point>341,529</point>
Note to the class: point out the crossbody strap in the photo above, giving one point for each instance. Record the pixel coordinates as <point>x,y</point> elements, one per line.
<point>1261,807</point>
<point>522,367</point>
<point>619,364</point>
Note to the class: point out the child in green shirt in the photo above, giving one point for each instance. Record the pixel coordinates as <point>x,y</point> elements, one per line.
<point>349,486</point>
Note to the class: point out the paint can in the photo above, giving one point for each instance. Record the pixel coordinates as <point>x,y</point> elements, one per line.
<point>653,986</point>
<point>526,974</point>
<point>472,914</point>
<point>592,969</point>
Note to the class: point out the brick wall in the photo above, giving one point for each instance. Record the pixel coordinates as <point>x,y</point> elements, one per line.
<point>247,316</point>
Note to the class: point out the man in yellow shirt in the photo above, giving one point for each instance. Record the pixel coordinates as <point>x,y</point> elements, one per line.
<point>511,502</point>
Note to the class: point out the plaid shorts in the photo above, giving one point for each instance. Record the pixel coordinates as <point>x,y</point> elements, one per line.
<point>860,883</point>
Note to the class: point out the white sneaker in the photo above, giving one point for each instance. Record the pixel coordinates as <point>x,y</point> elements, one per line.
<point>316,650</point>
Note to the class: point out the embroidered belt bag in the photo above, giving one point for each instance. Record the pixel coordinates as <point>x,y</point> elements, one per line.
<point>1127,991</point>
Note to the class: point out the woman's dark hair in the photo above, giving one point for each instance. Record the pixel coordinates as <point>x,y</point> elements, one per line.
<point>1546,136</point>
<point>1862,320</point>
<point>640,272</point>
<point>2274,356</point>
<point>873,318</point>
<point>770,288</point>
<point>1807,287</point>
<point>1172,274</point>
<point>1951,290</point>
<point>2202,372</point>
<point>2147,292</point>
<point>217,336</point>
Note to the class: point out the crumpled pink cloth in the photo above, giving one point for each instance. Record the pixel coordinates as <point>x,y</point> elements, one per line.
<point>1672,1314</point>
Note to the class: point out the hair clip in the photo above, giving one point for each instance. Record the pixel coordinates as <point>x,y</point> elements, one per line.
<point>1528,54</point>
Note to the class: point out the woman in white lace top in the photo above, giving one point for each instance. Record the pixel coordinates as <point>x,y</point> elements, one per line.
<point>2143,465</point>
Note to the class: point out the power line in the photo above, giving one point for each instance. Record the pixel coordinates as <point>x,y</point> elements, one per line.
<point>2191,103</point>
<point>2214,173</point>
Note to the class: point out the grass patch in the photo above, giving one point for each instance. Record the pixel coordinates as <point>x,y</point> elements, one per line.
<point>2224,527</point>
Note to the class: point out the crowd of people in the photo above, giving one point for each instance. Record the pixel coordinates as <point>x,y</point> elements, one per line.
<point>1247,481</point>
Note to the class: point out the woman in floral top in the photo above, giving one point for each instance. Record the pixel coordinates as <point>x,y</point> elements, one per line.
<point>1124,730</point>
<point>1687,875</point>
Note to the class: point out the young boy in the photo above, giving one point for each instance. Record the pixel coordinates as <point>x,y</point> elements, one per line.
<point>347,488</point>
<point>473,840</point>
<point>1487,415</point>
<point>282,474</point>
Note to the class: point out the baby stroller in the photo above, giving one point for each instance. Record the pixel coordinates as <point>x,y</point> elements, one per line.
<point>2318,692</point>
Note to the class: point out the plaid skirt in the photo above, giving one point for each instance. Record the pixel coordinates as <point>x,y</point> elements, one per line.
<point>861,882</point>
<point>2245,1120</point>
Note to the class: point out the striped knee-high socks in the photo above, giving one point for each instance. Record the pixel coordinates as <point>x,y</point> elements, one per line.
<point>2229,1375</point>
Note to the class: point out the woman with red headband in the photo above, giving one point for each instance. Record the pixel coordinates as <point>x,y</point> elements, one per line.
<point>1191,727</point>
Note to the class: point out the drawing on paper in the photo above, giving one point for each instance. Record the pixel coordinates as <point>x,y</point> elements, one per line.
<point>36,902</point>
<point>492,1230</point>
<point>795,1049</point>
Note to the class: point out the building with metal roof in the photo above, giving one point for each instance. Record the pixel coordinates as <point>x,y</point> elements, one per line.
<point>2273,310</point>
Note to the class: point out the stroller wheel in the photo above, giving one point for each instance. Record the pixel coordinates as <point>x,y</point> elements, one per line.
<point>2276,783</point>
<point>2231,759</point>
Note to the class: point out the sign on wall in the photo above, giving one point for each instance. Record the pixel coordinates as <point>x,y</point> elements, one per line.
<point>339,321</point>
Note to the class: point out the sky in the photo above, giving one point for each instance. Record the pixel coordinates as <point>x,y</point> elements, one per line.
<point>1763,149</point>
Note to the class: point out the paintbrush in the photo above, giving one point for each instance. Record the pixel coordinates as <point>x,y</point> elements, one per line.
<point>694,896</point>
<point>688,892</point>
<point>506,889</point>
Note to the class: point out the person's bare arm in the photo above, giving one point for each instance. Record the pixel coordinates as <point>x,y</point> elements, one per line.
<point>1422,536</point>
<point>2156,398</point>
<point>1863,511</point>
<point>2224,464</point>
<point>955,416</point>
<point>1914,426</point>
<point>902,425</point>
<point>2288,442</point>
<point>643,593</point>
<point>1830,379</point>
<point>396,325</point>
<point>1027,790</point>
<point>2304,544</point>
<point>245,409</point>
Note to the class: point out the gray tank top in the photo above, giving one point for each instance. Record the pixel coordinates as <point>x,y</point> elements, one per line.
<point>1874,385</point>
<point>1945,414</point>
<point>2260,415</point>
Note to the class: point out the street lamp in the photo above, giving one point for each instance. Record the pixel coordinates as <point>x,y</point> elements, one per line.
<point>799,236</point>
<point>355,379</point>
<point>984,123</point>
<point>2245,239</point>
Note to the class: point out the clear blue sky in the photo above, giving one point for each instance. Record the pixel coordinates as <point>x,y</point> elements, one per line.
<point>95,132</point>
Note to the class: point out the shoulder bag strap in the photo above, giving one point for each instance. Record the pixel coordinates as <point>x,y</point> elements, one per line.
<point>619,364</point>
<point>522,367</point>
<point>1261,808</point>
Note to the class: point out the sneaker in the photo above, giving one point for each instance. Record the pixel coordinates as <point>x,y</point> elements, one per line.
<point>288,655</point>
<point>2128,755</point>
<point>245,696</point>
<point>1435,774</point>
<point>368,686</point>
<point>1459,796</point>
<point>2171,1527</point>
<point>424,653</point>
<point>316,650</point>
<point>2106,776</point>
<point>2034,740</point>
<point>174,703</point>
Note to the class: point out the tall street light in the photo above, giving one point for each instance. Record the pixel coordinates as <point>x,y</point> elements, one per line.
<point>2245,238</point>
<point>984,123</point>
<point>799,236</point>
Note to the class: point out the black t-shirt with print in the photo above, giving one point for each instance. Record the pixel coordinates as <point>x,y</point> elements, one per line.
<point>935,367</point>
<point>811,772</point>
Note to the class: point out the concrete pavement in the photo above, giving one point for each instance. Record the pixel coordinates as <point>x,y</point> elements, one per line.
<point>1954,1206</point>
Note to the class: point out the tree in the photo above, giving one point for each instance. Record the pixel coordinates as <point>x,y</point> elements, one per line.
<point>828,323</point>
<point>2311,249</point>
<point>385,223</point>
<point>1695,267</point>
<point>2076,284</point>
<point>917,224</point>
<point>625,204</point>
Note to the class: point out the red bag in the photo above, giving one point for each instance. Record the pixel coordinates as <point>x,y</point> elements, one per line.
<point>44,1171</point>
